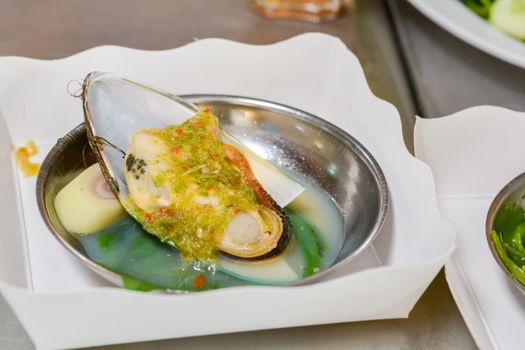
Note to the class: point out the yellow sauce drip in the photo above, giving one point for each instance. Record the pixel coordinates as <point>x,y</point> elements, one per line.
<point>22,155</point>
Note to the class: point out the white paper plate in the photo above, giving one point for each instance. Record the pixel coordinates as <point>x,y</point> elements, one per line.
<point>456,18</point>
<point>64,305</point>
<point>473,154</point>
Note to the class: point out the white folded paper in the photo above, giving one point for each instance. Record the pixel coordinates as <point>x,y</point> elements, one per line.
<point>473,154</point>
<point>63,305</point>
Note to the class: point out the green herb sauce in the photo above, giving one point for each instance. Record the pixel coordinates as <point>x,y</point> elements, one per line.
<point>197,168</point>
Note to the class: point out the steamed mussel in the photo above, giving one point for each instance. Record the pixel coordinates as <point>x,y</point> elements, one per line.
<point>183,178</point>
<point>187,187</point>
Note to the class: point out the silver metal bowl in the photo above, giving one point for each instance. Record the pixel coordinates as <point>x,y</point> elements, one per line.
<point>291,139</point>
<point>513,192</point>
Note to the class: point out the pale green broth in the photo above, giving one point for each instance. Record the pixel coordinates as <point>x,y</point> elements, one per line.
<point>146,263</point>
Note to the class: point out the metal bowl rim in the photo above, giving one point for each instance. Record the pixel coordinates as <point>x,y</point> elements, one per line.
<point>296,113</point>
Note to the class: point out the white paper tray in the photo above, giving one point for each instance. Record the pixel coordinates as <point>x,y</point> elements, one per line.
<point>63,305</point>
<point>473,154</point>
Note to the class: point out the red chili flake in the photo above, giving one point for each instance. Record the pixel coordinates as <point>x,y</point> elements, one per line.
<point>165,211</point>
<point>206,110</point>
<point>199,281</point>
<point>148,217</point>
<point>175,151</point>
<point>179,132</point>
<point>209,187</point>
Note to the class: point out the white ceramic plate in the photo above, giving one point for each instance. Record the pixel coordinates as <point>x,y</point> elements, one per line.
<point>456,18</point>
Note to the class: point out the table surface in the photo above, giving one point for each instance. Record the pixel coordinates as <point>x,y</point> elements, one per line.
<point>448,75</point>
<point>395,44</point>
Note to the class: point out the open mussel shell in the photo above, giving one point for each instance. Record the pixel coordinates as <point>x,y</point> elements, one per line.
<point>115,108</point>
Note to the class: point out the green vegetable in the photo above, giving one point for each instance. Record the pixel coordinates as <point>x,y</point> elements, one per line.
<point>506,15</point>
<point>509,16</point>
<point>480,7</point>
<point>508,236</point>
<point>312,245</point>
<point>514,269</point>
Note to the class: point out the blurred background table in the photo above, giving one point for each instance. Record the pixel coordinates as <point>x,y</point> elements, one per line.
<point>407,59</point>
